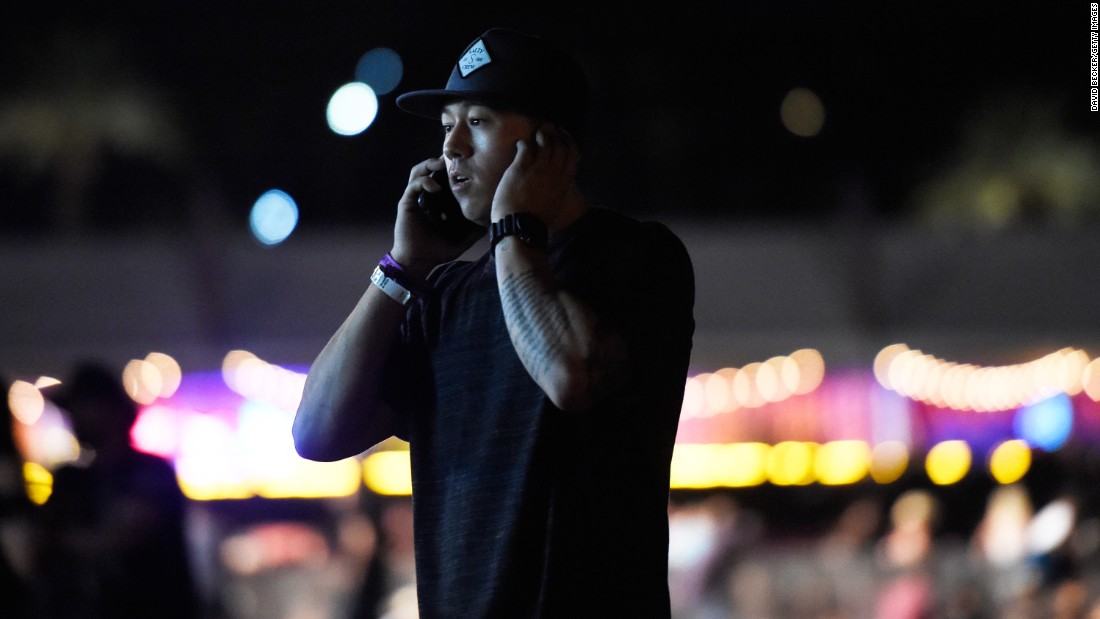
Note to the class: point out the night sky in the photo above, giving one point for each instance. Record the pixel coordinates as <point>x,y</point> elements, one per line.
<point>685,117</point>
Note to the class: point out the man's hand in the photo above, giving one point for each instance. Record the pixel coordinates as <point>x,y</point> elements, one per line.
<point>540,176</point>
<point>416,245</point>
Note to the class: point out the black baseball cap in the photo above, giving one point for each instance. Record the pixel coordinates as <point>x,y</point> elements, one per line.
<point>515,71</point>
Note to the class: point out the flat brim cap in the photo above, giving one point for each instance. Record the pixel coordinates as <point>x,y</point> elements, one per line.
<point>515,71</point>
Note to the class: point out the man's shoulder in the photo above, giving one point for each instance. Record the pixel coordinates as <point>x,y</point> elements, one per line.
<point>614,225</point>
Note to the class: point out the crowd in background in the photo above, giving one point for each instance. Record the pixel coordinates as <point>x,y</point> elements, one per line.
<point>117,539</point>
<point>887,561</point>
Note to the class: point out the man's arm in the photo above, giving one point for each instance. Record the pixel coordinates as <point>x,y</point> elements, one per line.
<point>341,413</point>
<point>559,338</point>
<point>565,347</point>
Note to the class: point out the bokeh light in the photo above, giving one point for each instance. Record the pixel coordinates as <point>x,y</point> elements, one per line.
<point>948,462</point>
<point>142,381</point>
<point>1046,424</point>
<point>381,69</point>
<point>388,472</point>
<point>791,463</point>
<point>1051,526</point>
<point>842,462</point>
<point>157,431</point>
<point>889,460</point>
<point>274,216</point>
<point>1009,461</point>
<point>39,482</point>
<point>351,109</point>
<point>966,386</point>
<point>802,112</point>
<point>25,401</point>
<point>754,385</point>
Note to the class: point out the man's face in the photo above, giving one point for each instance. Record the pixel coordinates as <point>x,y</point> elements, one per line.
<point>479,143</point>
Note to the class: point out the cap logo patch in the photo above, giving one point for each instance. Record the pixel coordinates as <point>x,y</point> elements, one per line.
<point>474,58</point>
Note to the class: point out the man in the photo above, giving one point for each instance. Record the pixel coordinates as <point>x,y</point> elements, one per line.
<point>539,386</point>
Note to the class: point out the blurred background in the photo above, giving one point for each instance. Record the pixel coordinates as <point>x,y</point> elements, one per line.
<point>893,401</point>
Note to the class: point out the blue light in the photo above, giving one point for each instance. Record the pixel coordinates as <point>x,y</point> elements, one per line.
<point>381,69</point>
<point>1046,424</point>
<point>274,216</point>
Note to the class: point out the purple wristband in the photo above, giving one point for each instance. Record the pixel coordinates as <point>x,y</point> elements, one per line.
<point>396,272</point>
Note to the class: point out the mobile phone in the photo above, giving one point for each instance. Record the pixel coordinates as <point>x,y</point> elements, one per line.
<point>442,210</point>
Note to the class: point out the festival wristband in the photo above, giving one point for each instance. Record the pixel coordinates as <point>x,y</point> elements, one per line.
<point>388,285</point>
<point>396,272</point>
<point>391,278</point>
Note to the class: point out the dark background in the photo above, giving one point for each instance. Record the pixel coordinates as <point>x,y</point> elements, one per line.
<point>685,118</point>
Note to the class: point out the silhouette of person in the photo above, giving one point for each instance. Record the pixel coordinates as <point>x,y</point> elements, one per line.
<point>114,542</point>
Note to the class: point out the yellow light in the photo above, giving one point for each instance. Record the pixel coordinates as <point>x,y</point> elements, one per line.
<point>717,465</point>
<point>308,479</point>
<point>388,473</point>
<point>38,481</point>
<point>842,462</point>
<point>693,466</point>
<point>213,490</point>
<point>745,464</point>
<point>791,463</point>
<point>1010,461</point>
<point>205,478</point>
<point>889,459</point>
<point>947,462</point>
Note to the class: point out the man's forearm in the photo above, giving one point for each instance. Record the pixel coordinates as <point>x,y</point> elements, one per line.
<point>341,414</point>
<point>556,336</point>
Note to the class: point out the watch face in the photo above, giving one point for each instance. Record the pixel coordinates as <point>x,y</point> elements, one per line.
<point>531,230</point>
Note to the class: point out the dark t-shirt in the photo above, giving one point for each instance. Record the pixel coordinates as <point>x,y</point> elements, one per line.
<point>521,509</point>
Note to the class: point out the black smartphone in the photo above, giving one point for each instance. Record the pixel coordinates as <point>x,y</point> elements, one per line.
<point>442,210</point>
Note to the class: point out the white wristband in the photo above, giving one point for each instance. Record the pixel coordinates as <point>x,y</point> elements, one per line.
<point>393,290</point>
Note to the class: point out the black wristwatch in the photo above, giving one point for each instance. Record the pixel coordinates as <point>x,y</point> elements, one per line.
<point>528,228</point>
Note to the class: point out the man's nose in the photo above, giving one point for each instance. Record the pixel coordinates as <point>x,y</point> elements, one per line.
<point>456,143</point>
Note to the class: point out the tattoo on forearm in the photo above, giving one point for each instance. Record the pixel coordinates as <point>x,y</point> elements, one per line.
<point>538,322</point>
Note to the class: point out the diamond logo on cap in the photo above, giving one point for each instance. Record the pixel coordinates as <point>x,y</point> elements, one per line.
<point>474,58</point>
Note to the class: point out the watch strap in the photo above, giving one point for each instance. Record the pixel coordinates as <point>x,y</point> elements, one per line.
<point>527,227</point>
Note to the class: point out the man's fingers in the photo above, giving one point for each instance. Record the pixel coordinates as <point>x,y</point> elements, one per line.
<point>426,167</point>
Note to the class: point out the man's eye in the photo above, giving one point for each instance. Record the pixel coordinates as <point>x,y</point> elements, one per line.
<point>475,121</point>
<point>447,129</point>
